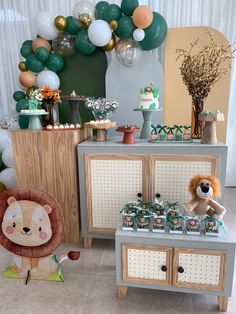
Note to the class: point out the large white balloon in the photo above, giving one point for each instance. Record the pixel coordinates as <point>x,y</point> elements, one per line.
<point>45,25</point>
<point>138,34</point>
<point>8,177</point>
<point>8,157</point>
<point>5,139</point>
<point>49,78</point>
<point>99,33</point>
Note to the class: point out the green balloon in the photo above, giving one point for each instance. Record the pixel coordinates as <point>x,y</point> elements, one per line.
<point>99,9</point>
<point>22,105</point>
<point>125,27</point>
<point>26,51</point>
<point>18,95</point>
<point>72,26</point>
<point>112,12</point>
<point>155,34</point>
<point>23,121</point>
<point>27,43</point>
<point>83,44</point>
<point>128,6</point>
<point>2,187</point>
<point>42,53</point>
<point>34,64</point>
<point>55,63</point>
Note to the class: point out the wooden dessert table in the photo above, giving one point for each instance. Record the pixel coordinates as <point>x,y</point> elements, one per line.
<point>47,160</point>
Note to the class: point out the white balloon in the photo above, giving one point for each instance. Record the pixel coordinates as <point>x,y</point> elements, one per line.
<point>8,157</point>
<point>49,78</point>
<point>99,33</point>
<point>5,139</point>
<point>45,25</point>
<point>138,34</point>
<point>8,177</point>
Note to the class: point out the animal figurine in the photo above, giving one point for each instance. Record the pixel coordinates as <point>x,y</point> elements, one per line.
<point>204,189</point>
<point>31,227</point>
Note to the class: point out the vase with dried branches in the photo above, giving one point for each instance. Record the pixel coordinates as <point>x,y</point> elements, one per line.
<point>200,71</point>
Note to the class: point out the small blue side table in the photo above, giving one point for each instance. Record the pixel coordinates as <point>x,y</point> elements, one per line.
<point>147,122</point>
<point>34,121</point>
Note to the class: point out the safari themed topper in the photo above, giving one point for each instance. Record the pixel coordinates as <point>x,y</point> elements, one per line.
<point>31,227</point>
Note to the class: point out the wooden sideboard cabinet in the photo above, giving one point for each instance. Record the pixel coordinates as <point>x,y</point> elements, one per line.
<point>47,160</point>
<point>112,173</point>
<point>181,263</point>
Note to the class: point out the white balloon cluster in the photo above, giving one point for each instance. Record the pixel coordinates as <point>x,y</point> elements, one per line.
<point>8,175</point>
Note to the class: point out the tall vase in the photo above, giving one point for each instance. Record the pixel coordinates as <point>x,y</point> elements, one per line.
<point>47,119</point>
<point>196,125</point>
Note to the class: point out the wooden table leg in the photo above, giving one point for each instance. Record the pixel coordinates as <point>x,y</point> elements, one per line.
<point>222,303</point>
<point>88,243</point>
<point>122,292</point>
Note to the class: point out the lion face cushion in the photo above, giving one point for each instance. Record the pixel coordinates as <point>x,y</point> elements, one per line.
<point>27,223</point>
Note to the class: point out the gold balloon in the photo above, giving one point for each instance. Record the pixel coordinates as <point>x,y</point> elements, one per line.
<point>85,20</point>
<point>60,22</point>
<point>29,90</point>
<point>22,66</point>
<point>113,24</point>
<point>111,44</point>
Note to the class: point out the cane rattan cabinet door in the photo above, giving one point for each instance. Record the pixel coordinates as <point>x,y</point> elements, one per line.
<point>111,181</point>
<point>171,174</point>
<point>199,269</point>
<point>146,264</point>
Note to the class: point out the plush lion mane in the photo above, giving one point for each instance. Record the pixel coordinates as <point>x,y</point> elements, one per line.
<point>194,183</point>
<point>57,225</point>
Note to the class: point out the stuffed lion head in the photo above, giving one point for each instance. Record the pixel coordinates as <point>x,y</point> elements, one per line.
<point>204,187</point>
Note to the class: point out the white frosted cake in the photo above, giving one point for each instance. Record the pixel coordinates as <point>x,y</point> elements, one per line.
<point>149,98</point>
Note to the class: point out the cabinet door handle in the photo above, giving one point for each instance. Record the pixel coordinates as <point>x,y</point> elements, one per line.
<point>139,194</point>
<point>164,268</point>
<point>158,195</point>
<point>180,270</point>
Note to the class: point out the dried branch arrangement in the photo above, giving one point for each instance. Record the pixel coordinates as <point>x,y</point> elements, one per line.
<point>202,70</point>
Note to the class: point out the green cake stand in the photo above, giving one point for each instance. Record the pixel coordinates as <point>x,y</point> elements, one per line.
<point>147,122</point>
<point>34,119</point>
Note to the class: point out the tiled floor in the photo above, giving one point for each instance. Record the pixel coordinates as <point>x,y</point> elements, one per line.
<point>90,286</point>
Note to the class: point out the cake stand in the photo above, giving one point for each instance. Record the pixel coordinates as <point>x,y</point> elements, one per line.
<point>34,119</point>
<point>74,107</point>
<point>147,122</point>
<point>128,137</point>
<point>101,129</point>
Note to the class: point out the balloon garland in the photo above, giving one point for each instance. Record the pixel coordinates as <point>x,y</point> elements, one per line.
<point>128,28</point>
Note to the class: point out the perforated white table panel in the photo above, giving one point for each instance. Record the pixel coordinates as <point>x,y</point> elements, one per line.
<point>200,268</point>
<point>114,182</point>
<point>146,264</point>
<point>172,177</point>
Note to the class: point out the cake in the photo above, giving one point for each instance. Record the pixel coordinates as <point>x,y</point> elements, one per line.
<point>149,98</point>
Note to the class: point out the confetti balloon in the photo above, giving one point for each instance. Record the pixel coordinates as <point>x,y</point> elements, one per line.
<point>128,52</point>
<point>64,44</point>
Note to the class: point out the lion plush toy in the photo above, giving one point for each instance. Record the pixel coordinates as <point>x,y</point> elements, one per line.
<point>31,227</point>
<point>204,188</point>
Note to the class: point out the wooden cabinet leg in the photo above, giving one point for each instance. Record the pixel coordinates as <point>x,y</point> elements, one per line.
<point>88,243</point>
<point>122,292</point>
<point>222,303</point>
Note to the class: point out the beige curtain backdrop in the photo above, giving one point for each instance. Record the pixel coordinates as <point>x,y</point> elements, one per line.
<point>17,23</point>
